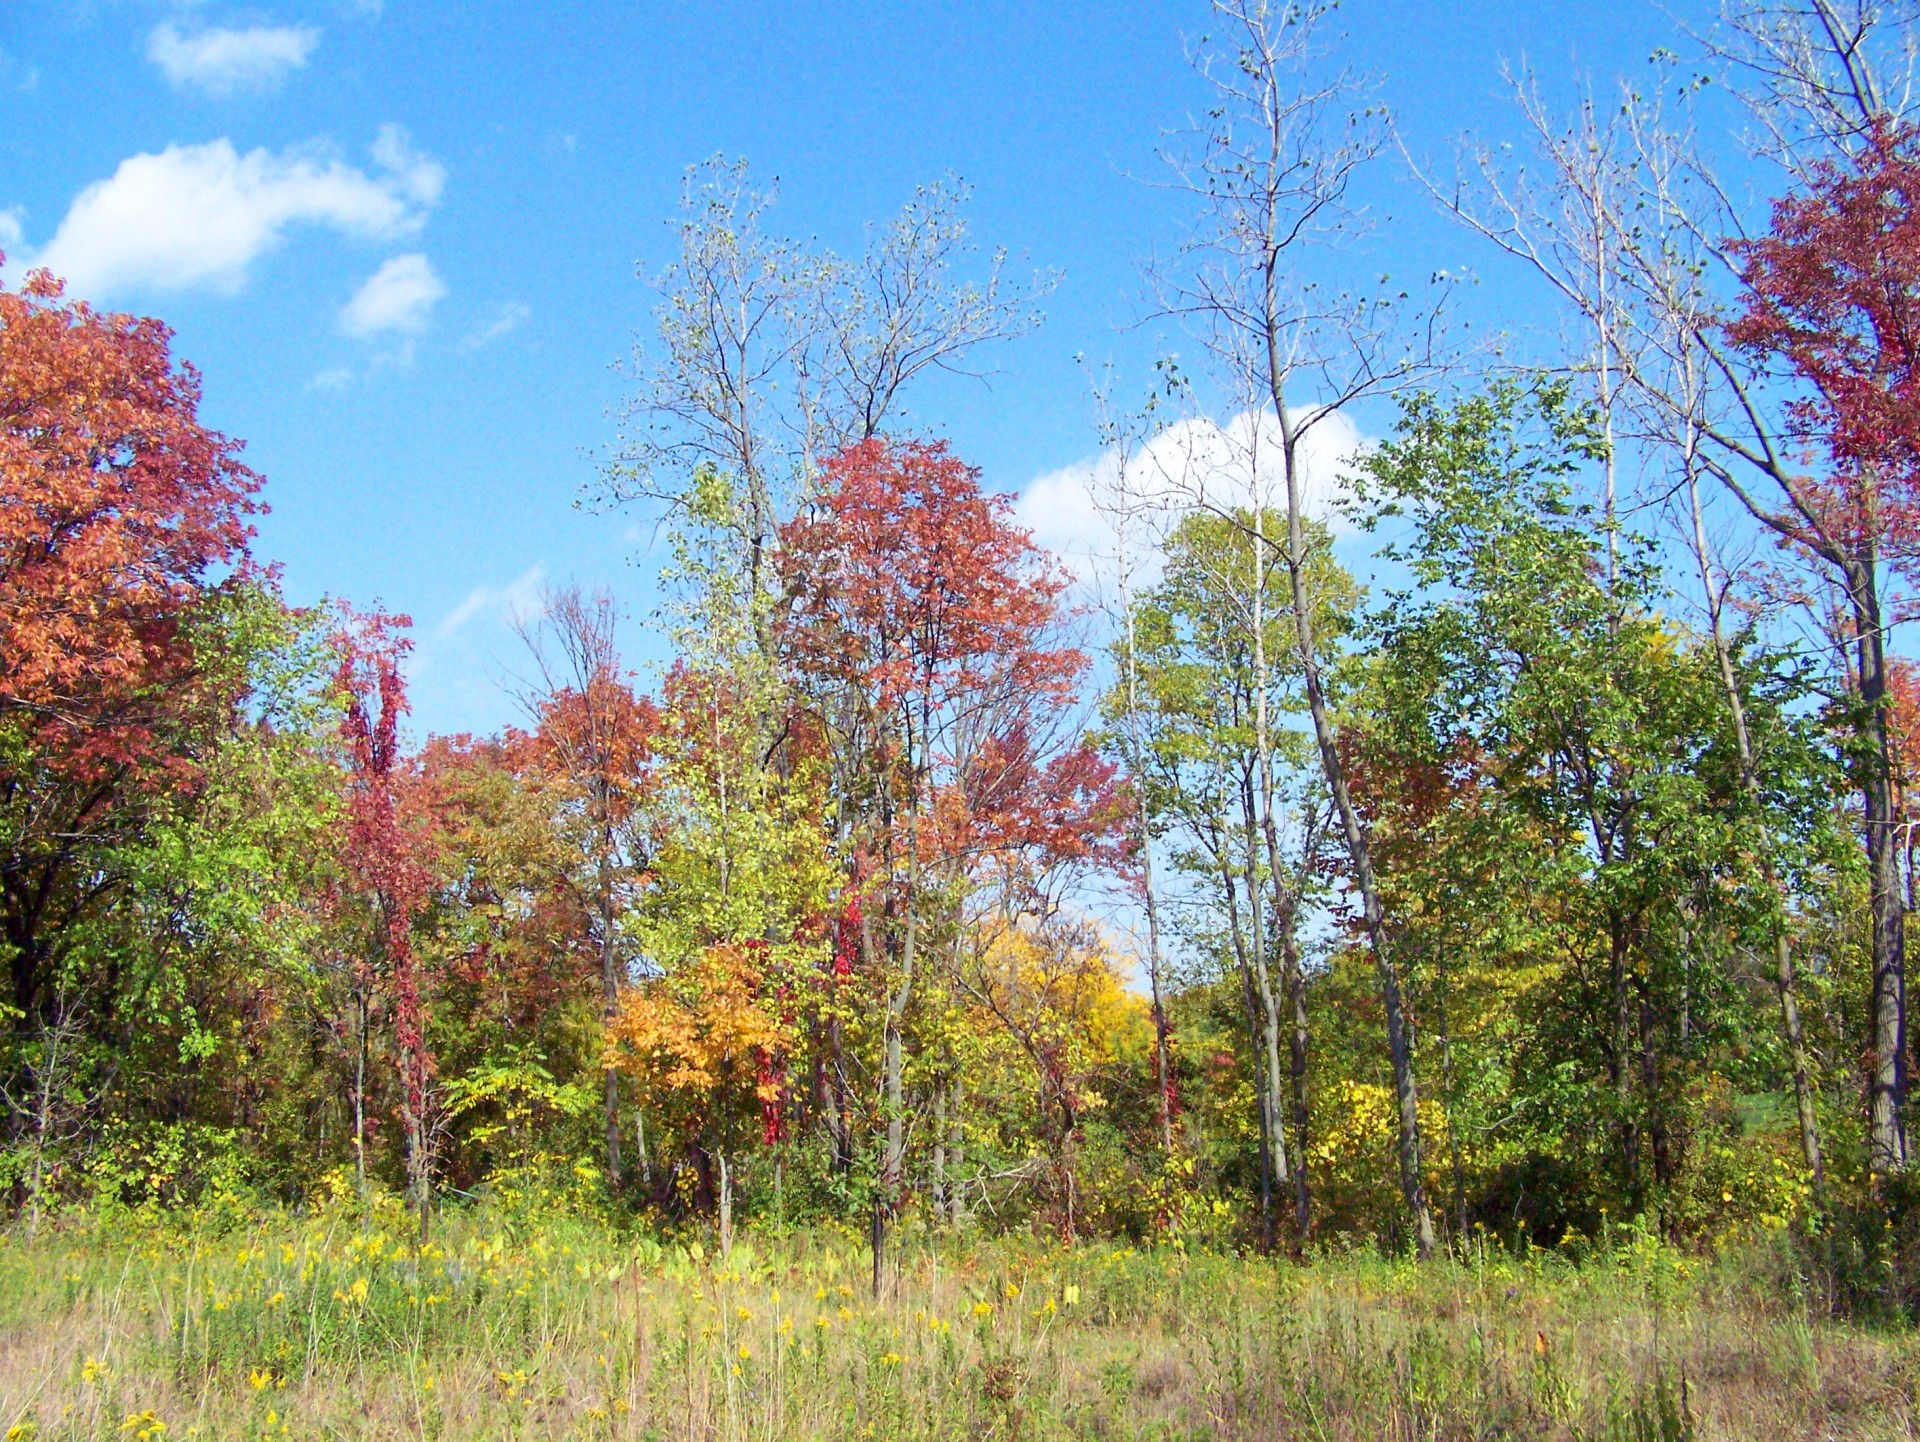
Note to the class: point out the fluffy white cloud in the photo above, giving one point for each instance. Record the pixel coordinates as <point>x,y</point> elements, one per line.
<point>516,602</point>
<point>397,297</point>
<point>1196,461</point>
<point>9,229</point>
<point>200,215</point>
<point>224,62</point>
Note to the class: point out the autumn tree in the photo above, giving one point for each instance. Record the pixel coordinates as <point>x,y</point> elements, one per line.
<point>124,520</point>
<point>510,937</point>
<point>769,355</point>
<point>1833,302</point>
<point>707,1047</point>
<point>594,736</point>
<point>383,859</point>
<point>919,632</point>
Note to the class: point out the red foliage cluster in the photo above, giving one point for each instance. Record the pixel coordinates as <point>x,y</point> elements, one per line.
<point>928,617</point>
<point>116,508</point>
<point>383,856</point>
<point>1834,291</point>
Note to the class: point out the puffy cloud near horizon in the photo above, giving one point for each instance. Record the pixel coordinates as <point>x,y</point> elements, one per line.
<point>1196,461</point>
<point>397,297</point>
<point>198,216</point>
<point>221,62</point>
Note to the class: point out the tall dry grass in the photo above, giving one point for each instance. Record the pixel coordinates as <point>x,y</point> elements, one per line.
<point>335,1327</point>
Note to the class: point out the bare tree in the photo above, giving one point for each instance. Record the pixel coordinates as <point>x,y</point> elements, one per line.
<point>593,733</point>
<point>1567,230</point>
<point>771,354</point>
<point>1132,512</point>
<point>1273,168</point>
<point>48,1108</point>
<point>1814,75</point>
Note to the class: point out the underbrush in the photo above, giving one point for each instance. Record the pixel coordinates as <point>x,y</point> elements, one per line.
<point>510,1326</point>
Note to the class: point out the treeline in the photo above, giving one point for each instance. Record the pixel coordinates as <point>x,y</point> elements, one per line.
<point>1558,882</point>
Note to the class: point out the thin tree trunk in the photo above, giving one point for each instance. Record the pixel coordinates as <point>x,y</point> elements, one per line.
<point>360,1092</point>
<point>1784,981</point>
<point>956,1196</point>
<point>1263,747</point>
<point>1297,990</point>
<point>1250,1001</point>
<point>1143,819</point>
<point>1359,851</point>
<point>1619,1060</point>
<point>609,997</point>
<point>939,1151</point>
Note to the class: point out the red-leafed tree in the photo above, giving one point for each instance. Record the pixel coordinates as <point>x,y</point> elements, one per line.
<point>121,516</point>
<point>921,630</point>
<point>383,857</point>
<point>1833,305</point>
<point>594,741</point>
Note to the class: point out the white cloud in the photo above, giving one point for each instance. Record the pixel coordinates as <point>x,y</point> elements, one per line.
<point>517,601</point>
<point>508,318</point>
<point>200,215</point>
<point>225,62</point>
<point>10,232</point>
<point>397,297</point>
<point>419,175</point>
<point>1192,462</point>
<point>336,379</point>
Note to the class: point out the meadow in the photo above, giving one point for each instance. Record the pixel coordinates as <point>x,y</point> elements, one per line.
<point>339,1325</point>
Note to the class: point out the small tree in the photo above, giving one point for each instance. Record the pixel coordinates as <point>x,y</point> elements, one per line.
<point>383,858</point>
<point>595,737</point>
<point>1833,305</point>
<point>919,637</point>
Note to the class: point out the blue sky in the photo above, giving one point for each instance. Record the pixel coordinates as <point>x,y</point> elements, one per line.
<point>399,240</point>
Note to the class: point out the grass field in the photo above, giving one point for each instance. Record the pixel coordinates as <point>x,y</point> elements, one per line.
<point>334,1327</point>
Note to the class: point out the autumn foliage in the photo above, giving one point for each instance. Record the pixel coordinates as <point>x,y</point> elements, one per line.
<point>123,520</point>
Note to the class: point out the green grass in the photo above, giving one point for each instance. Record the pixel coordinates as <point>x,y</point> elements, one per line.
<point>331,1327</point>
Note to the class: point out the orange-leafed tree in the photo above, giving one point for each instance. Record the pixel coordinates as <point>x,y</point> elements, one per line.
<point>122,520</point>
<point>592,747</point>
<point>516,997</point>
<point>706,1045</point>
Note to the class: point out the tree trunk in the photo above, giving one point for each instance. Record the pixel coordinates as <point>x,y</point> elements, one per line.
<point>609,1002</point>
<point>1619,1060</point>
<point>1887,1084</point>
<point>1784,981</point>
<point>1255,1044</point>
<point>360,1091</point>
<point>1144,820</point>
<point>1302,1193</point>
<point>956,1198</point>
<point>1399,1042</point>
